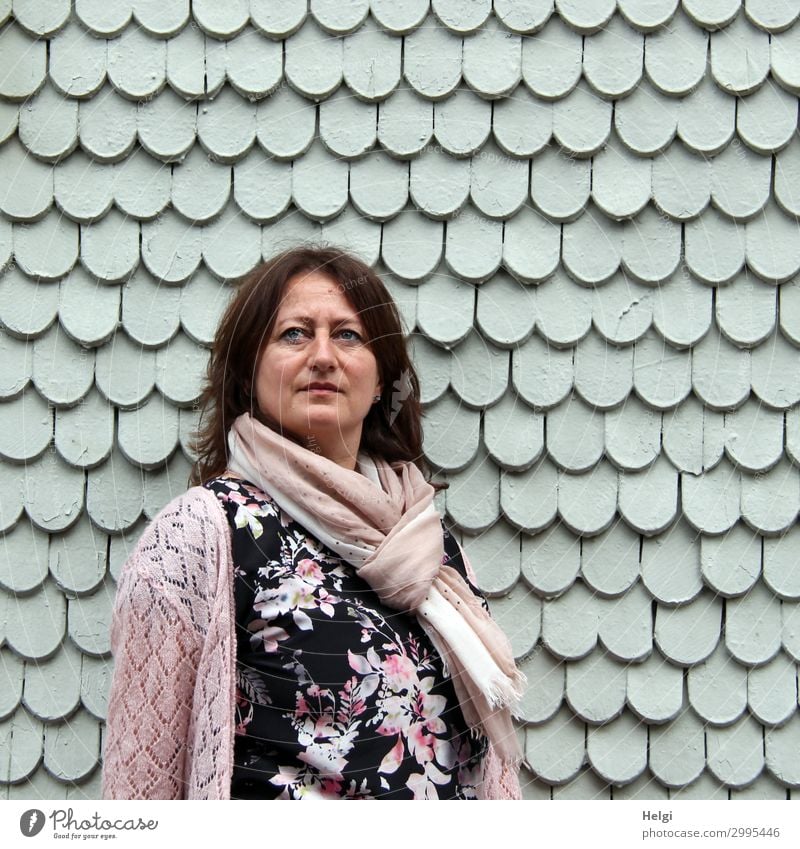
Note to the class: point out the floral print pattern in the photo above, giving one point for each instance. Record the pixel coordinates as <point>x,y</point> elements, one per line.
<point>337,695</point>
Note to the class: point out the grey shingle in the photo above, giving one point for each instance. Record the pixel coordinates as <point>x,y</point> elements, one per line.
<point>53,493</point>
<point>338,19</point>
<point>161,19</point>
<point>57,235</point>
<point>569,622</point>
<point>773,245</point>
<point>591,248</point>
<point>767,119</point>
<point>715,247</point>
<point>587,503</point>
<point>575,435</point>
<point>462,16</point>
<point>20,745</point>
<point>644,788</point>
<point>285,124</point>
<point>231,228</point>
<point>651,247</point>
<point>711,503</point>
<point>746,310</point>
<point>473,245</point>
<point>449,424</point>
<point>712,16</point>
<point>141,185</point>
<point>682,38</point>
<point>648,500</point>
<point>23,558</point>
<point>107,125</point>
<point>617,196</point>
<point>646,15</point>
<point>479,372</point>
<point>626,625</point>
<point>180,366</point>
<point>9,119</point>
<point>198,169</point>
<point>466,512</point>
<point>52,687</point>
<point>83,189</point>
<point>399,16</point>
<point>492,62</point>
<point>682,310</point>
<point>552,61</point>
<point>772,691</point>
<point>405,123</point>
<point>787,173</point>
<point>188,419</point>
<point>632,435</point>
<point>585,785</point>
<point>26,309</point>
<point>622,310</point>
<point>347,126</point>
<point>499,183</point>
<point>753,626</point>
<point>149,435</point>
<point>12,675</point>
<point>717,688</point>
<point>110,247</point>
<point>519,615</point>
<point>28,192</point>
<point>736,754</point>
<point>16,363</point>
<point>163,484</point>
<point>170,247</point>
<point>775,378</point>
<point>523,16</point>
<point>87,309</point>
<point>25,60</point>
<point>521,123</point>
<point>556,751</point>
<point>731,563</point>
<point>773,17</point>
<point>226,126</point>
<point>355,233</point>
<point>36,623</point>
<point>432,60</point>
<point>506,310</point>
<point>433,368</point>
<point>563,311</point>
<point>661,374</point>
<point>610,562</point>
<point>186,64</point>
<point>95,684</point>
<point>586,18</point>
<point>542,700</point>
<point>681,182</point>
<point>201,306</point>
<point>529,501</point>
<point>101,19</point>
<point>89,619</point>
<point>603,372</point>
<point>372,61</point>
<point>125,371</point>
<point>781,747</point>
<point>595,688</point>
<point>581,121</point>
<point>706,787</point>
<point>754,437</point>
<point>707,118</point>
<point>784,59</point>
<point>462,122</point>
<point>495,557</point>
<point>253,63</point>
<point>740,181</point>
<point>790,618</point>
<point>677,750</point>
<point>137,64</point>
<point>85,434</point>
<point>690,633</point>
<point>439,183</point>
<point>560,186</point>
<point>618,751</point>
<point>220,21</point>
<point>11,501</point>
<point>63,372</point>
<point>77,62</point>
<point>26,427</point>
<point>41,20</point>
<point>71,749</point>
<point>721,373</point>
<point>770,501</point>
<point>612,59</point>
<point>48,125</point>
<point>781,566</point>
<point>551,562</point>
<point>531,246</point>
<point>542,374</point>
<point>411,246</point>
<point>313,61</point>
<point>766,788</point>
<point>740,57</point>
<point>78,558</point>
<point>167,125</point>
<point>655,689</point>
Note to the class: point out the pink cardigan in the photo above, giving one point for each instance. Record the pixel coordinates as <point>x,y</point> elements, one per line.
<point>170,726</point>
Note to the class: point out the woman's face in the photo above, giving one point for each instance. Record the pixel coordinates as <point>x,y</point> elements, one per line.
<point>317,376</point>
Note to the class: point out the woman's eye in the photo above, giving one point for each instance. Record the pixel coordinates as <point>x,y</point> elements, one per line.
<point>293,334</point>
<point>350,335</point>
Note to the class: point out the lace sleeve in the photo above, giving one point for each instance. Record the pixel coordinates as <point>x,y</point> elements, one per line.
<point>160,615</point>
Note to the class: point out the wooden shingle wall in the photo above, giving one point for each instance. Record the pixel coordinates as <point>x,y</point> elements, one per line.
<point>587,211</point>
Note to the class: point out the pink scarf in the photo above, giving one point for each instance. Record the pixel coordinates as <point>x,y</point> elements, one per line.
<point>384,524</point>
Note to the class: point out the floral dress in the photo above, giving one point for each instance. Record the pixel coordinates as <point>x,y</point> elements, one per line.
<point>337,694</point>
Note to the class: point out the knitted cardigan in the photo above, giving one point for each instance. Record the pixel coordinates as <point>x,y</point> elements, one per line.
<point>170,725</point>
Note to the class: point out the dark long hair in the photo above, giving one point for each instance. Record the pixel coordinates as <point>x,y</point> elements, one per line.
<point>393,427</point>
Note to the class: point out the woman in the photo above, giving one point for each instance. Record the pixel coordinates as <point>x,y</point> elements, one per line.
<point>300,623</point>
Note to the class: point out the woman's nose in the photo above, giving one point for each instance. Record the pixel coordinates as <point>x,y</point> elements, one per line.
<point>322,352</point>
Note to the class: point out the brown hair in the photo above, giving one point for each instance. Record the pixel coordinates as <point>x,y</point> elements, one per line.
<point>392,429</point>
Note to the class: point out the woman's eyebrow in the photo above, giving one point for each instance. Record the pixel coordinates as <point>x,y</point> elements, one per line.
<point>308,321</point>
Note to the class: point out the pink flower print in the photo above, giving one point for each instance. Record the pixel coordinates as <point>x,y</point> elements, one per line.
<point>309,571</point>
<point>400,672</point>
<point>269,637</point>
<point>393,758</point>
